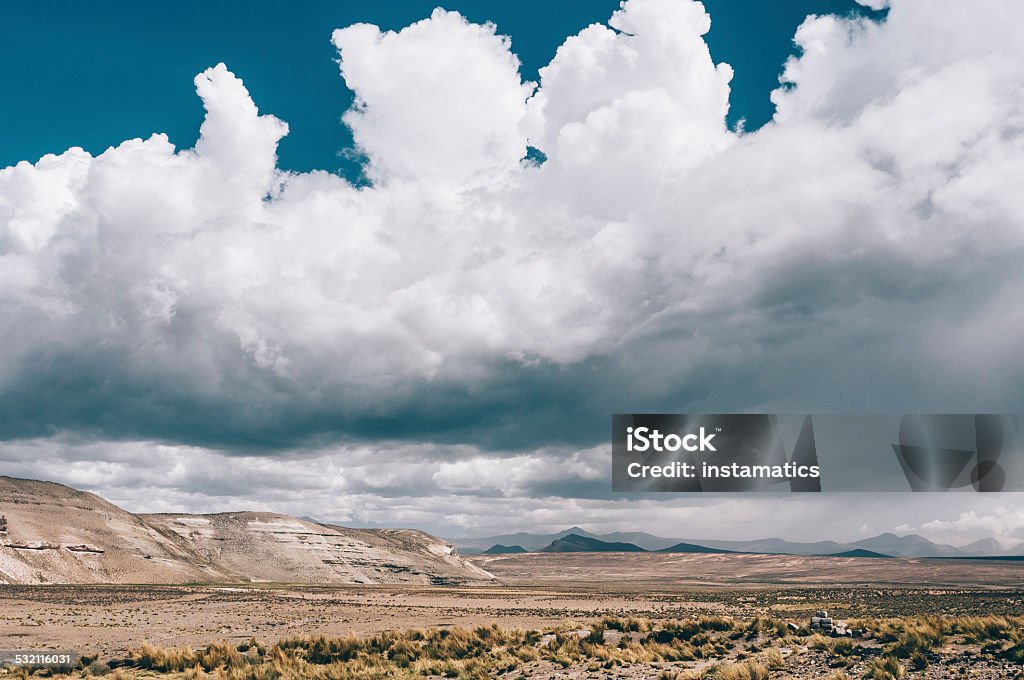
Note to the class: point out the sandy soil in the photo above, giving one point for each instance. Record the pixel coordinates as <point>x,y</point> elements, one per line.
<point>645,571</point>
<point>535,590</point>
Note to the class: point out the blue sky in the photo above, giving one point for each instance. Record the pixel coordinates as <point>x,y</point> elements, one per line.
<point>95,74</point>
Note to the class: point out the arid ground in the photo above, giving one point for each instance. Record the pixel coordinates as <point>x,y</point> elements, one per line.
<point>539,592</point>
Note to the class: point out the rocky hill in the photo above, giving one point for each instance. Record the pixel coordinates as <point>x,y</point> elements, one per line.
<point>499,549</point>
<point>577,543</point>
<point>55,534</point>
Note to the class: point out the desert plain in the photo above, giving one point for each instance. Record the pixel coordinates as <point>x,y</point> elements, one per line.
<point>554,594</point>
<point>262,596</point>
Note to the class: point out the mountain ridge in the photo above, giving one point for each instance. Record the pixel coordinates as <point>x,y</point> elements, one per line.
<point>57,534</point>
<point>888,544</point>
<point>578,543</point>
<point>499,549</point>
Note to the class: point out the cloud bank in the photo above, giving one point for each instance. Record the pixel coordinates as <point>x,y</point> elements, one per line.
<point>463,491</point>
<point>861,252</point>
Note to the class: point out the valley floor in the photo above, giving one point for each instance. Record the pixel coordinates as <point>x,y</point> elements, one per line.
<point>574,611</point>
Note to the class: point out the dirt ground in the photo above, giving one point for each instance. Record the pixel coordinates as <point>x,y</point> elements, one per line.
<point>534,590</point>
<point>644,572</point>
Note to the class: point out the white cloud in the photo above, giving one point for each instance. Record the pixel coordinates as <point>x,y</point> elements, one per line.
<point>463,491</point>
<point>440,100</point>
<point>1005,522</point>
<point>625,109</point>
<point>860,252</point>
<point>553,471</point>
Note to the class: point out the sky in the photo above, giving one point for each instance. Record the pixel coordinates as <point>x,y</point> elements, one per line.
<point>124,69</point>
<point>253,258</point>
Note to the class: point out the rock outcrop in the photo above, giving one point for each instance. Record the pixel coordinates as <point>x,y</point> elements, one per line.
<point>55,534</point>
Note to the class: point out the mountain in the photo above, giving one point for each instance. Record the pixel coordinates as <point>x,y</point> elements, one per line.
<point>776,546</point>
<point>499,549</point>
<point>859,552</point>
<point>530,542</point>
<point>577,543</point>
<point>693,548</point>
<point>990,547</point>
<point>911,545</point>
<point>883,544</point>
<point>55,534</point>
<point>639,538</point>
<point>534,542</point>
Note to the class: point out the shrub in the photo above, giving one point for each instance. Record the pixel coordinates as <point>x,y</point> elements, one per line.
<point>596,635</point>
<point>773,657</point>
<point>918,638</point>
<point>984,628</point>
<point>163,659</point>
<point>839,647</point>
<point>762,624</point>
<point>630,624</point>
<point>885,668</point>
<point>749,670</point>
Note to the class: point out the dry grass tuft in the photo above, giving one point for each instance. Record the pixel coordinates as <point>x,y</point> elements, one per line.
<point>748,647</point>
<point>885,668</point>
<point>749,670</point>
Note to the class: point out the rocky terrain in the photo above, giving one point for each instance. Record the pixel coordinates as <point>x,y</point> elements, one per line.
<point>768,616</point>
<point>696,647</point>
<point>55,534</point>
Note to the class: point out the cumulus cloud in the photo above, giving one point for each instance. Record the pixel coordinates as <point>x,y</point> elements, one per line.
<point>859,252</point>
<point>624,110</point>
<point>441,99</point>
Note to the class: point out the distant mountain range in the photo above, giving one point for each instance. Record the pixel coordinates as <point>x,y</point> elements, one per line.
<point>883,545</point>
<point>499,549</point>
<point>693,548</point>
<point>577,543</point>
<point>859,552</point>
